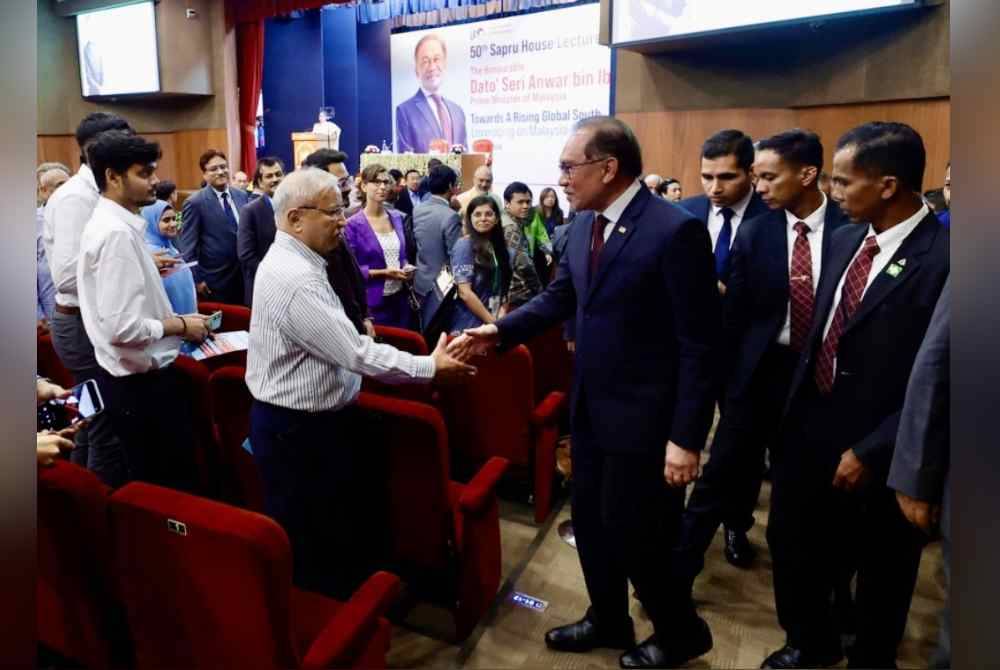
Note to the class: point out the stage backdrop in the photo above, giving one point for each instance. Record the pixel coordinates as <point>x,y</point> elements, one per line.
<point>520,82</point>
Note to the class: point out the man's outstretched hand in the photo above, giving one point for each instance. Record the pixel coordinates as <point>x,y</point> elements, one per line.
<point>448,368</point>
<point>474,342</point>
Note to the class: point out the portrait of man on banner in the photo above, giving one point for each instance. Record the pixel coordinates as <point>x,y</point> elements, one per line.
<point>428,115</point>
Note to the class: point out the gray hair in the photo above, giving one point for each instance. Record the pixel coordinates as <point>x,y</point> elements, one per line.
<point>48,167</point>
<point>302,187</point>
<point>658,178</point>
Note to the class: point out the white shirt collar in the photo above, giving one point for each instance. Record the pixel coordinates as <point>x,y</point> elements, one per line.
<point>88,176</point>
<point>298,247</point>
<point>134,221</point>
<point>814,220</point>
<point>428,94</point>
<point>218,194</point>
<point>899,232</point>
<point>614,211</point>
<point>738,207</point>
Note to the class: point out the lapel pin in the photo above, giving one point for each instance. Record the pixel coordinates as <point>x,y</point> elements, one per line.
<point>621,229</point>
<point>894,269</point>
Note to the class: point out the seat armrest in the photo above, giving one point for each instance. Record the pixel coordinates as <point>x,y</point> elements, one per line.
<point>548,410</point>
<point>354,621</point>
<point>480,490</point>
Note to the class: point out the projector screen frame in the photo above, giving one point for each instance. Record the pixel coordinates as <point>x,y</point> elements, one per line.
<point>139,95</point>
<point>713,37</point>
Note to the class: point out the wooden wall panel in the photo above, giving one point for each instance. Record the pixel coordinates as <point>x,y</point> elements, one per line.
<point>180,152</point>
<point>671,139</point>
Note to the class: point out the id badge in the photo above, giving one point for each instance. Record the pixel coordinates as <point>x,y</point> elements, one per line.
<point>494,305</point>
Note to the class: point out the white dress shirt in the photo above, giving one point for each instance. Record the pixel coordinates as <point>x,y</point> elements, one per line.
<point>122,300</point>
<point>433,105</point>
<point>888,245</point>
<point>716,220</point>
<point>232,204</point>
<point>815,237</point>
<point>615,210</point>
<point>304,353</point>
<point>66,213</point>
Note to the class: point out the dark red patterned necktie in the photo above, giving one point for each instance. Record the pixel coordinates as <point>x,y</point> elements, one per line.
<point>597,241</point>
<point>442,110</point>
<point>800,288</point>
<point>850,298</point>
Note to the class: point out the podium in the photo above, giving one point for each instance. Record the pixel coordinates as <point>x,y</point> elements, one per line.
<point>304,144</point>
<point>463,164</point>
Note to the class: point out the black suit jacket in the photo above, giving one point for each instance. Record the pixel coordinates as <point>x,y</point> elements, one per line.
<point>756,302</point>
<point>645,327</point>
<point>403,203</point>
<point>700,206</point>
<point>877,347</point>
<point>255,237</point>
<point>921,461</point>
<point>208,237</point>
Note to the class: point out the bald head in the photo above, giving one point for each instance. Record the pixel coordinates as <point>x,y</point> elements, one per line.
<point>653,182</point>
<point>308,206</point>
<point>49,181</point>
<point>483,179</point>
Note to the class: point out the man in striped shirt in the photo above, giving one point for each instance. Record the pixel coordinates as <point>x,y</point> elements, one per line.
<point>304,369</point>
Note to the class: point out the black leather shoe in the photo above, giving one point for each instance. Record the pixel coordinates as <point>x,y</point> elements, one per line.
<point>584,635</point>
<point>739,551</point>
<point>790,657</point>
<point>652,654</point>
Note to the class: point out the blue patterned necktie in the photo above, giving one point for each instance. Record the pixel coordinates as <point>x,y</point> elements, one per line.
<point>230,215</point>
<point>722,245</point>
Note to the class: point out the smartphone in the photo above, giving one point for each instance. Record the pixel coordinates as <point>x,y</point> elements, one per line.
<point>84,398</point>
<point>214,321</point>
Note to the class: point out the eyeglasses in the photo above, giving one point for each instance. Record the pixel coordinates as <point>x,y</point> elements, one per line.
<point>568,169</point>
<point>382,182</point>
<point>335,213</point>
<point>217,168</point>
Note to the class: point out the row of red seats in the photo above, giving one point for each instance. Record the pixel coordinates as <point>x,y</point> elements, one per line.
<point>148,577</point>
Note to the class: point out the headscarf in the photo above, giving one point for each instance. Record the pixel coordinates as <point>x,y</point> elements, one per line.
<point>179,286</point>
<point>154,238</point>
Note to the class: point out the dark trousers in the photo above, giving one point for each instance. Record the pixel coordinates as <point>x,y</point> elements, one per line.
<point>153,420</point>
<point>317,479</point>
<point>814,531</point>
<point>97,448</point>
<point>729,486</point>
<point>625,519</point>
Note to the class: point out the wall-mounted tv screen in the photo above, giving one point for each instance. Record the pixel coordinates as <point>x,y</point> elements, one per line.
<point>643,20</point>
<point>117,50</point>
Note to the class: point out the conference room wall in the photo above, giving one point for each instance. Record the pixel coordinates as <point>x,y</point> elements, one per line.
<point>671,139</point>
<point>184,126</point>
<point>885,67</point>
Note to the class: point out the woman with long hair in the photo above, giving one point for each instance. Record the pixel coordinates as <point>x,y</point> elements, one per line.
<point>549,210</point>
<point>481,266</point>
<point>375,235</point>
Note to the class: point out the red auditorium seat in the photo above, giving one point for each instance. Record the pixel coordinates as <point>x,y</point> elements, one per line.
<point>411,342</point>
<point>495,414</point>
<point>208,458</point>
<point>234,317</point>
<point>49,364</point>
<point>552,363</point>
<point>230,402</point>
<point>445,536</point>
<point>77,613</point>
<point>208,585</point>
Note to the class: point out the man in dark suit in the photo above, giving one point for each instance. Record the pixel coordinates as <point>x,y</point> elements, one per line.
<point>921,462</point>
<point>637,274</point>
<point>726,161</point>
<point>208,236</point>
<point>776,264</point>
<point>830,503</point>
<point>436,227</point>
<point>428,115</point>
<point>257,222</point>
